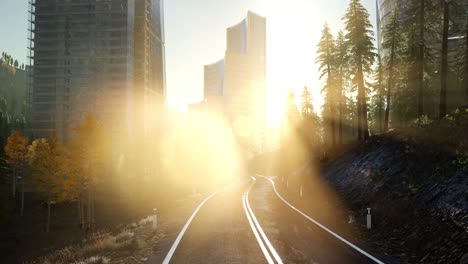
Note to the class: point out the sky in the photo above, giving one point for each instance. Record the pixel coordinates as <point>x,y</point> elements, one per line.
<point>195,33</point>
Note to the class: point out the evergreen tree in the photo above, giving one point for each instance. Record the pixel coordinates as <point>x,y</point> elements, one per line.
<point>465,66</point>
<point>421,19</point>
<point>341,65</point>
<point>306,102</point>
<point>310,121</point>
<point>444,61</point>
<point>326,61</point>
<point>378,99</point>
<point>392,46</point>
<point>359,38</point>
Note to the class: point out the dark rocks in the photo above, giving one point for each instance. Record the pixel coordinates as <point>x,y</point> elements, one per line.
<point>464,259</point>
<point>417,194</point>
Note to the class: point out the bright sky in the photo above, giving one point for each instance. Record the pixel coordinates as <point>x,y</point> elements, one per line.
<point>196,35</point>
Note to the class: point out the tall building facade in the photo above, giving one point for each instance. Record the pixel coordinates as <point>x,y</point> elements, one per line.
<point>243,75</point>
<point>99,56</point>
<point>214,89</point>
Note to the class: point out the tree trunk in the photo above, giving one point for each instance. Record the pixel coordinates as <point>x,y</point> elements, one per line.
<point>389,88</point>
<point>381,105</point>
<point>48,217</point>
<point>78,207</point>
<point>420,82</point>
<point>340,118</point>
<point>13,182</point>
<point>364,129</point>
<point>332,115</point>
<point>82,212</point>
<point>359,113</point>
<point>465,70</point>
<point>22,196</point>
<point>89,209</point>
<point>444,63</point>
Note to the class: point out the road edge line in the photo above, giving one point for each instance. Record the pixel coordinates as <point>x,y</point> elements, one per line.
<point>173,248</point>
<point>324,227</point>
<point>254,230</point>
<point>260,229</point>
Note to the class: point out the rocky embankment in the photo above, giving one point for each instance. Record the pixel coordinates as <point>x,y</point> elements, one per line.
<point>418,193</point>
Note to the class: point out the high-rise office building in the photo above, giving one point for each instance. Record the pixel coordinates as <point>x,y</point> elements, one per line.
<point>99,56</point>
<point>241,78</point>
<point>214,87</point>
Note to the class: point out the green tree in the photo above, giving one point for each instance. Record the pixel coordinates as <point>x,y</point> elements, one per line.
<point>359,37</point>
<point>310,129</point>
<point>465,62</point>
<point>341,65</point>
<point>326,61</point>
<point>392,46</point>
<point>378,99</point>
<point>444,61</point>
<point>421,19</point>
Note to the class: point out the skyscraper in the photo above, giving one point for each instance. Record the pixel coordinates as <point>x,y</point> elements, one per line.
<point>105,57</point>
<point>243,75</point>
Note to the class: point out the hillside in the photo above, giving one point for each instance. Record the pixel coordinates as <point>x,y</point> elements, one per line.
<point>416,183</point>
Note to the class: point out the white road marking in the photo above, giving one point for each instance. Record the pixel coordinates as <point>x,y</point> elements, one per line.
<point>252,226</point>
<point>257,224</point>
<point>182,232</point>
<point>324,227</point>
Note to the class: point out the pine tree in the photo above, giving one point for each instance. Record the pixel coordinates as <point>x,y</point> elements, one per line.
<point>341,65</point>
<point>392,46</point>
<point>310,121</point>
<point>326,61</point>
<point>465,66</point>
<point>306,102</point>
<point>378,100</point>
<point>359,37</point>
<point>444,62</point>
<point>421,19</point>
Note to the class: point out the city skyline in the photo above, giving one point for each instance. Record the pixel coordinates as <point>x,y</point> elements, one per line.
<point>294,28</point>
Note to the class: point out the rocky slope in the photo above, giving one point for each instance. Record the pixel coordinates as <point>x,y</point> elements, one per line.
<point>418,192</point>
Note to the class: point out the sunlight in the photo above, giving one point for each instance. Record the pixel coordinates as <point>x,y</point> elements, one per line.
<point>291,44</point>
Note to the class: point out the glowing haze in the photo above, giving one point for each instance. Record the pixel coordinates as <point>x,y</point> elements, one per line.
<point>196,35</point>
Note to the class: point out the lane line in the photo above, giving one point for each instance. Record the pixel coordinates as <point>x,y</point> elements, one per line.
<point>324,227</point>
<point>260,229</point>
<point>182,232</point>
<point>252,226</point>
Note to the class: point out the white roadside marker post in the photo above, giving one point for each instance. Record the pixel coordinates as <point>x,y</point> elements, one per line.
<point>155,218</point>
<point>369,219</point>
<point>287,183</point>
<point>300,191</point>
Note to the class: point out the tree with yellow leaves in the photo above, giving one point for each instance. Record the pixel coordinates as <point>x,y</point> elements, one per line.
<point>87,150</point>
<point>49,166</point>
<point>16,151</point>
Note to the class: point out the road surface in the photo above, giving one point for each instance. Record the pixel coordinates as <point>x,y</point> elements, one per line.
<point>250,222</point>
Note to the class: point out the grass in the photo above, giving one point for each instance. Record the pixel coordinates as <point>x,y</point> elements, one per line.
<point>95,249</point>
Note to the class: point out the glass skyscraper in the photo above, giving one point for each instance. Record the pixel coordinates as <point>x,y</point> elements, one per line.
<point>99,56</point>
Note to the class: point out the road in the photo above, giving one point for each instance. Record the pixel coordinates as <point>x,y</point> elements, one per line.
<point>250,222</point>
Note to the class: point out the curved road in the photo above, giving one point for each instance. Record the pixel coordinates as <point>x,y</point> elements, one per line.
<point>250,223</point>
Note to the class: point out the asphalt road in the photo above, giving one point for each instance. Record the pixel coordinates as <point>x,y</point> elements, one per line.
<point>249,223</point>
